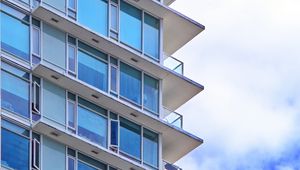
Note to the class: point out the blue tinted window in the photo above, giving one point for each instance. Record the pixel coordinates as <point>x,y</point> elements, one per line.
<point>94,15</point>
<point>88,160</point>
<point>130,138</point>
<point>71,164</point>
<point>15,35</point>
<point>150,148</point>
<point>14,94</point>
<point>84,166</point>
<point>151,36</point>
<point>92,71</point>
<point>131,25</point>
<point>14,150</point>
<point>130,83</point>
<point>114,132</point>
<point>151,95</point>
<point>92,126</point>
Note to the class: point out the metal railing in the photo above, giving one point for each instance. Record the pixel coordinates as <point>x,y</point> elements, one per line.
<point>168,166</point>
<point>174,64</point>
<point>173,118</point>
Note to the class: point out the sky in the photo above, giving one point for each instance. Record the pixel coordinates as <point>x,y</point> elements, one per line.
<point>248,60</point>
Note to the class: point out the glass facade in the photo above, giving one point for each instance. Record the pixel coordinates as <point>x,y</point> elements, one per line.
<point>91,124</point>
<point>15,32</point>
<point>94,15</point>
<point>15,90</point>
<point>131,26</point>
<point>151,36</point>
<point>14,146</point>
<point>130,78</point>
<point>151,94</point>
<point>130,138</point>
<point>150,148</point>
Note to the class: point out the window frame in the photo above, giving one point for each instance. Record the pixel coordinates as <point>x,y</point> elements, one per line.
<point>34,147</point>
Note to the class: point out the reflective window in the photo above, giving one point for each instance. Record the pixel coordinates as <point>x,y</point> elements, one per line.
<point>94,15</point>
<point>14,147</point>
<point>130,138</point>
<point>131,25</point>
<point>92,71</point>
<point>71,163</point>
<point>15,90</point>
<point>92,126</point>
<point>151,36</point>
<point>84,166</point>
<point>36,41</point>
<point>114,17</point>
<point>151,93</point>
<point>14,32</point>
<point>71,58</point>
<point>150,148</point>
<point>113,78</point>
<point>130,83</point>
<point>88,163</point>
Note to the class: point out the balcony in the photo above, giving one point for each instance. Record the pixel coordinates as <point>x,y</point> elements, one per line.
<point>169,166</point>
<point>174,64</point>
<point>173,118</point>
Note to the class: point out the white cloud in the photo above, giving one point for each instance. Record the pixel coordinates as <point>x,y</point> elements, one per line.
<point>248,59</point>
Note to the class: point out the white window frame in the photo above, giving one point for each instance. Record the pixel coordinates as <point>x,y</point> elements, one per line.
<point>35,109</point>
<point>73,73</point>
<point>35,142</point>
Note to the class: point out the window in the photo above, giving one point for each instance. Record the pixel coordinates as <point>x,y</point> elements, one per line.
<point>130,83</point>
<point>72,9</point>
<point>15,32</point>
<point>150,148</point>
<point>130,139</point>
<point>151,94</point>
<point>15,90</point>
<point>72,112</point>
<point>36,41</point>
<point>131,26</point>
<point>113,76</point>
<point>114,20</point>
<point>151,36</point>
<point>91,122</point>
<point>36,97</point>
<point>83,162</point>
<point>35,151</point>
<point>114,132</point>
<point>14,146</point>
<point>94,15</point>
<point>91,68</point>
<point>72,55</point>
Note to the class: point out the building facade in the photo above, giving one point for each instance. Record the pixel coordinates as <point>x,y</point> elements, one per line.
<point>91,84</point>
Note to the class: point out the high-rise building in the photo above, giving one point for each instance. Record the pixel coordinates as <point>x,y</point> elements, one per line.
<point>91,84</point>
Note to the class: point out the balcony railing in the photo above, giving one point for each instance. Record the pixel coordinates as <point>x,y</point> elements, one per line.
<point>169,166</point>
<point>174,64</point>
<point>173,118</point>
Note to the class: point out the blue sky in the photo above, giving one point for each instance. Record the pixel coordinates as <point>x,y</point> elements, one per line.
<point>248,59</point>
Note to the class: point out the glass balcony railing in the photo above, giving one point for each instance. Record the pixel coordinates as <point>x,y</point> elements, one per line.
<point>173,118</point>
<point>174,64</point>
<point>169,166</point>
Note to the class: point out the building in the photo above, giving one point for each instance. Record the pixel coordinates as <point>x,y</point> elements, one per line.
<point>91,84</point>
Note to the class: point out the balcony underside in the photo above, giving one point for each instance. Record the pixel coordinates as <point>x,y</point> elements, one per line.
<point>71,140</point>
<point>176,141</point>
<point>177,89</point>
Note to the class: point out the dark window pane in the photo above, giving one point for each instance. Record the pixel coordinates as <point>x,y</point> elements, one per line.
<point>130,83</point>
<point>151,36</point>
<point>91,161</point>
<point>114,17</point>
<point>92,71</point>
<point>131,25</point>
<point>151,93</point>
<point>92,126</point>
<point>113,78</point>
<point>130,138</point>
<point>71,114</point>
<point>150,146</point>
<point>94,15</point>
<point>36,41</point>
<point>14,150</point>
<point>14,36</point>
<point>92,106</point>
<point>14,94</point>
<point>83,166</point>
<point>71,58</point>
<point>114,132</point>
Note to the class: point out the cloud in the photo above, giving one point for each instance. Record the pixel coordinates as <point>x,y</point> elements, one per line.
<point>248,59</point>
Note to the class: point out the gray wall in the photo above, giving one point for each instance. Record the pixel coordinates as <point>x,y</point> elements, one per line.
<point>54,46</point>
<point>53,155</point>
<point>54,104</point>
